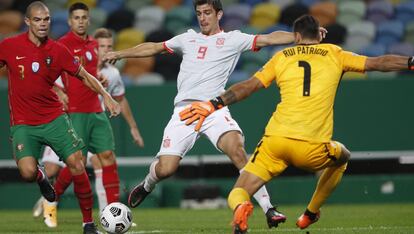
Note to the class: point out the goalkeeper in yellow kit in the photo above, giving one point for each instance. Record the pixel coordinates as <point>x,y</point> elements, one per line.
<point>299,132</point>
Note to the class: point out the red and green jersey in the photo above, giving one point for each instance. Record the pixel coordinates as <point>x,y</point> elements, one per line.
<point>32,71</point>
<point>81,98</point>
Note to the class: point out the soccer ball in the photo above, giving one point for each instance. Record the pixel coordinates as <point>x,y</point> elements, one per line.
<point>116,218</point>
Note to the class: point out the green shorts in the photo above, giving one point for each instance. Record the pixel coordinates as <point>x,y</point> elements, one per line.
<point>95,130</point>
<point>28,140</point>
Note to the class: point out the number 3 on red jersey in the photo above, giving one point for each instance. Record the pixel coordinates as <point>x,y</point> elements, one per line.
<point>202,52</point>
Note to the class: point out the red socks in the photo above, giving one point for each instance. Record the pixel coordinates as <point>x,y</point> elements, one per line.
<point>83,191</point>
<point>63,181</point>
<point>110,180</point>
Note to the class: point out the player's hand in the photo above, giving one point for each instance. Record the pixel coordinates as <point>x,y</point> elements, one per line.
<point>103,80</point>
<point>137,138</point>
<point>111,57</point>
<point>112,106</point>
<point>197,111</point>
<point>322,32</point>
<point>63,98</point>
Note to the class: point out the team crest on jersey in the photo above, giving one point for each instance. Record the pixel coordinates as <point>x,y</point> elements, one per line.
<point>20,147</point>
<point>48,61</point>
<point>35,66</point>
<point>88,56</point>
<point>220,42</point>
<point>166,143</point>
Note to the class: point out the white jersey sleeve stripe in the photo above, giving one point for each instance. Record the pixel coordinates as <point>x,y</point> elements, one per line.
<point>167,49</point>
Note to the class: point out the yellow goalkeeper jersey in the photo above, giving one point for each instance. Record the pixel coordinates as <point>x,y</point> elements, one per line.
<point>308,77</point>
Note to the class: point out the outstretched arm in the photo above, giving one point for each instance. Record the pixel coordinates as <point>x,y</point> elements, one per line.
<point>281,37</point>
<point>237,92</point>
<point>146,49</point>
<point>90,81</point>
<point>129,118</point>
<point>389,63</point>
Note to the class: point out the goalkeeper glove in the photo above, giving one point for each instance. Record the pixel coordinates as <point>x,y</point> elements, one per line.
<point>199,111</point>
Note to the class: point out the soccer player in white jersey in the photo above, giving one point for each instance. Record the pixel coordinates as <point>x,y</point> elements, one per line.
<point>116,89</point>
<point>209,57</point>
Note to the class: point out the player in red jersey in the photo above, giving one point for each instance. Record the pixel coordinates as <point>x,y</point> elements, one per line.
<point>84,108</point>
<point>34,62</point>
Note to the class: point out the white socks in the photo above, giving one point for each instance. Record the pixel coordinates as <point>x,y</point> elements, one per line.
<point>151,179</point>
<point>100,190</point>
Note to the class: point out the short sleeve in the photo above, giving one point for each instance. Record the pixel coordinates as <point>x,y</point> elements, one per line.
<point>67,62</point>
<point>174,44</point>
<point>267,74</point>
<point>244,41</point>
<point>352,62</point>
<point>118,88</point>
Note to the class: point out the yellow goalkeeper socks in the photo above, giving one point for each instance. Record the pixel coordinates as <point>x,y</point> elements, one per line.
<point>236,197</point>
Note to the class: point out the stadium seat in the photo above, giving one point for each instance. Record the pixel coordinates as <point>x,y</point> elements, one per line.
<point>59,24</point>
<point>179,18</point>
<point>350,11</point>
<point>97,19</point>
<point>292,12</point>
<point>373,50</point>
<point>325,12</point>
<point>135,67</point>
<point>360,34</point>
<point>249,29</point>
<point>134,4</point>
<point>111,5</point>
<point>403,48</point>
<point>253,61</point>
<point>409,32</point>
<point>227,3</point>
<point>405,11</point>
<point>167,5</point>
<point>120,19</point>
<point>277,27</point>
<point>252,3</point>
<point>379,11</point>
<point>264,15</point>
<point>128,38</point>
<point>55,5</point>
<point>236,16</point>
<point>283,3</point>
<point>10,22</point>
<point>149,18</point>
<point>390,32</point>
<point>151,78</point>
<point>308,3</point>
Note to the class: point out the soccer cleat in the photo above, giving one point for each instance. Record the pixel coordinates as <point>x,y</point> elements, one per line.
<point>46,188</point>
<point>274,217</point>
<point>305,221</point>
<point>50,213</point>
<point>38,207</point>
<point>90,228</point>
<point>240,216</point>
<point>137,195</point>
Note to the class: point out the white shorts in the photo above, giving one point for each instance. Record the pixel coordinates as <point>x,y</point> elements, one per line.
<point>179,138</point>
<point>51,157</point>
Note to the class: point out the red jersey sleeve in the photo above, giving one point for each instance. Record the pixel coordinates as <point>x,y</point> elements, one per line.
<point>68,62</point>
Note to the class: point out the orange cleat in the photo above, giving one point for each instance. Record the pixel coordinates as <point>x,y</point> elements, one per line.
<point>305,221</point>
<point>241,214</point>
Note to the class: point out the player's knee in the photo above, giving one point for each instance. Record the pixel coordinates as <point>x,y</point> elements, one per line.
<point>107,157</point>
<point>76,167</point>
<point>345,156</point>
<point>29,174</point>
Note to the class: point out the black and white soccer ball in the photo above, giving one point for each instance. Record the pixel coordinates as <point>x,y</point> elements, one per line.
<point>116,218</point>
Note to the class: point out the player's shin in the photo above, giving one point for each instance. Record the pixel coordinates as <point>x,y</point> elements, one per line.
<point>83,191</point>
<point>110,180</point>
<point>327,183</point>
<point>63,181</point>
<point>151,179</point>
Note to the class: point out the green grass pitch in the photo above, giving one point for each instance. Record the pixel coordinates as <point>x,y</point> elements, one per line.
<point>349,218</point>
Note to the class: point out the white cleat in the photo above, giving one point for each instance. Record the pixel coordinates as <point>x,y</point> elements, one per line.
<point>38,207</point>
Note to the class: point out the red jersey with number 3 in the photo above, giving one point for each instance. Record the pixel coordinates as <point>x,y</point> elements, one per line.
<point>32,71</point>
<point>81,98</point>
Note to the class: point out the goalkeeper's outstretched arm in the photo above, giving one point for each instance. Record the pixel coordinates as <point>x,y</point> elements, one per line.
<point>389,63</point>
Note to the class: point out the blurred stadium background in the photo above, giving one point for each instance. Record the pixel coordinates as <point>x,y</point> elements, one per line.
<point>374,114</point>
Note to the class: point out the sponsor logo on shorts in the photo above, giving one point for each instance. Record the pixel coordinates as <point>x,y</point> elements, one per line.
<point>166,143</point>
<point>20,147</point>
